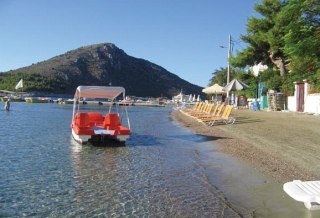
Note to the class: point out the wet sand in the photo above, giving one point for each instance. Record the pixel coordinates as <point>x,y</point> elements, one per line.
<point>282,145</point>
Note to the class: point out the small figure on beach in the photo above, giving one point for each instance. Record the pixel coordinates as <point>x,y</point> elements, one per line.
<point>178,103</point>
<point>7,105</point>
<point>255,105</point>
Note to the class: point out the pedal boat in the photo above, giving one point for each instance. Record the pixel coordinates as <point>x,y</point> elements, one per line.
<point>93,126</point>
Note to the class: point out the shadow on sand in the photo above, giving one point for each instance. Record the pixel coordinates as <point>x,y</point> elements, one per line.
<point>244,120</point>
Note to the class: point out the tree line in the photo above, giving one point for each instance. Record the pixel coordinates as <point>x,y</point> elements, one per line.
<point>285,37</point>
<point>31,82</point>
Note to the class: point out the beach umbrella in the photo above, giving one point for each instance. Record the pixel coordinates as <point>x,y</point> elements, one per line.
<point>190,98</point>
<point>194,97</point>
<point>235,85</point>
<point>214,89</point>
<point>198,99</point>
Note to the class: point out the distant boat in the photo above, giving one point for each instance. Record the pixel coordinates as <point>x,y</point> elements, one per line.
<point>37,99</point>
<point>93,126</point>
<point>155,103</point>
<point>65,101</point>
<point>149,103</point>
<point>13,99</point>
<point>126,102</point>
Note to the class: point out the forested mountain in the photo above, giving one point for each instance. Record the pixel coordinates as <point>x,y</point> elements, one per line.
<point>100,64</point>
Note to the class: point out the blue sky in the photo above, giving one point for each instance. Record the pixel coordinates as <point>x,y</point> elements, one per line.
<point>183,36</point>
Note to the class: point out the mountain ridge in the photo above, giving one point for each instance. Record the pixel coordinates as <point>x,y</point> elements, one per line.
<point>98,64</point>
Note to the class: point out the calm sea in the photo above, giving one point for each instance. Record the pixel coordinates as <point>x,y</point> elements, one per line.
<point>44,173</point>
<point>163,171</point>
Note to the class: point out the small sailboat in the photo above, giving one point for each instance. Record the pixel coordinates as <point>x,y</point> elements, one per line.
<point>93,126</point>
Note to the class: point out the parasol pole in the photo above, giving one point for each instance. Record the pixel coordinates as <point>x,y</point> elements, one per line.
<point>228,72</point>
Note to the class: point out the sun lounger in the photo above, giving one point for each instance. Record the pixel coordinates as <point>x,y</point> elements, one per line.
<point>225,117</point>
<point>197,107</point>
<point>200,108</point>
<point>190,109</point>
<point>307,192</point>
<point>207,110</point>
<point>215,112</point>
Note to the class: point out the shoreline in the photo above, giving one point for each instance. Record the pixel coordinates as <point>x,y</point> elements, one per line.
<point>268,141</point>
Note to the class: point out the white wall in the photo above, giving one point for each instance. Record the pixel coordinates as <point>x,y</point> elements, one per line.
<point>311,101</point>
<point>312,104</point>
<point>292,103</point>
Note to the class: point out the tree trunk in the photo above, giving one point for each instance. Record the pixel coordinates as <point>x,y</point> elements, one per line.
<point>279,63</point>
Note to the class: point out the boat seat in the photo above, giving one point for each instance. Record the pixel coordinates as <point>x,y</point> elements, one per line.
<point>95,118</point>
<point>111,121</point>
<point>82,119</point>
<point>307,192</point>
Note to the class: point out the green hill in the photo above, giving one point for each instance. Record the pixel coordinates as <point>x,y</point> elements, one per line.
<point>100,64</point>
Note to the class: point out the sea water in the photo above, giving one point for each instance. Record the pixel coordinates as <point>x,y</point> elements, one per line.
<point>163,171</point>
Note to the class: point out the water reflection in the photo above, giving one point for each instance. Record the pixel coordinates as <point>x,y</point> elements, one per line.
<point>123,182</point>
<point>152,176</point>
<point>43,172</point>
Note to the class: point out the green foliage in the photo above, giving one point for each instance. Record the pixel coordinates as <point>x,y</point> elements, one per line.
<point>31,82</point>
<point>275,82</point>
<point>302,39</point>
<point>251,81</point>
<point>272,78</point>
<point>220,77</point>
<point>262,36</point>
<point>317,79</point>
<point>290,30</point>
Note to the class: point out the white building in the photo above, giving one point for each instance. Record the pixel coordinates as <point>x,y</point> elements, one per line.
<point>302,101</point>
<point>181,98</point>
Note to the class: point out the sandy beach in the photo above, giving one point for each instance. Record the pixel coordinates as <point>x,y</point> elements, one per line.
<point>283,145</point>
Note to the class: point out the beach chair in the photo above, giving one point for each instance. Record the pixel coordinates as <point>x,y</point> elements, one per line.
<point>205,111</point>
<point>307,192</point>
<point>200,108</point>
<point>216,113</point>
<point>211,113</point>
<point>225,117</point>
<point>190,109</point>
